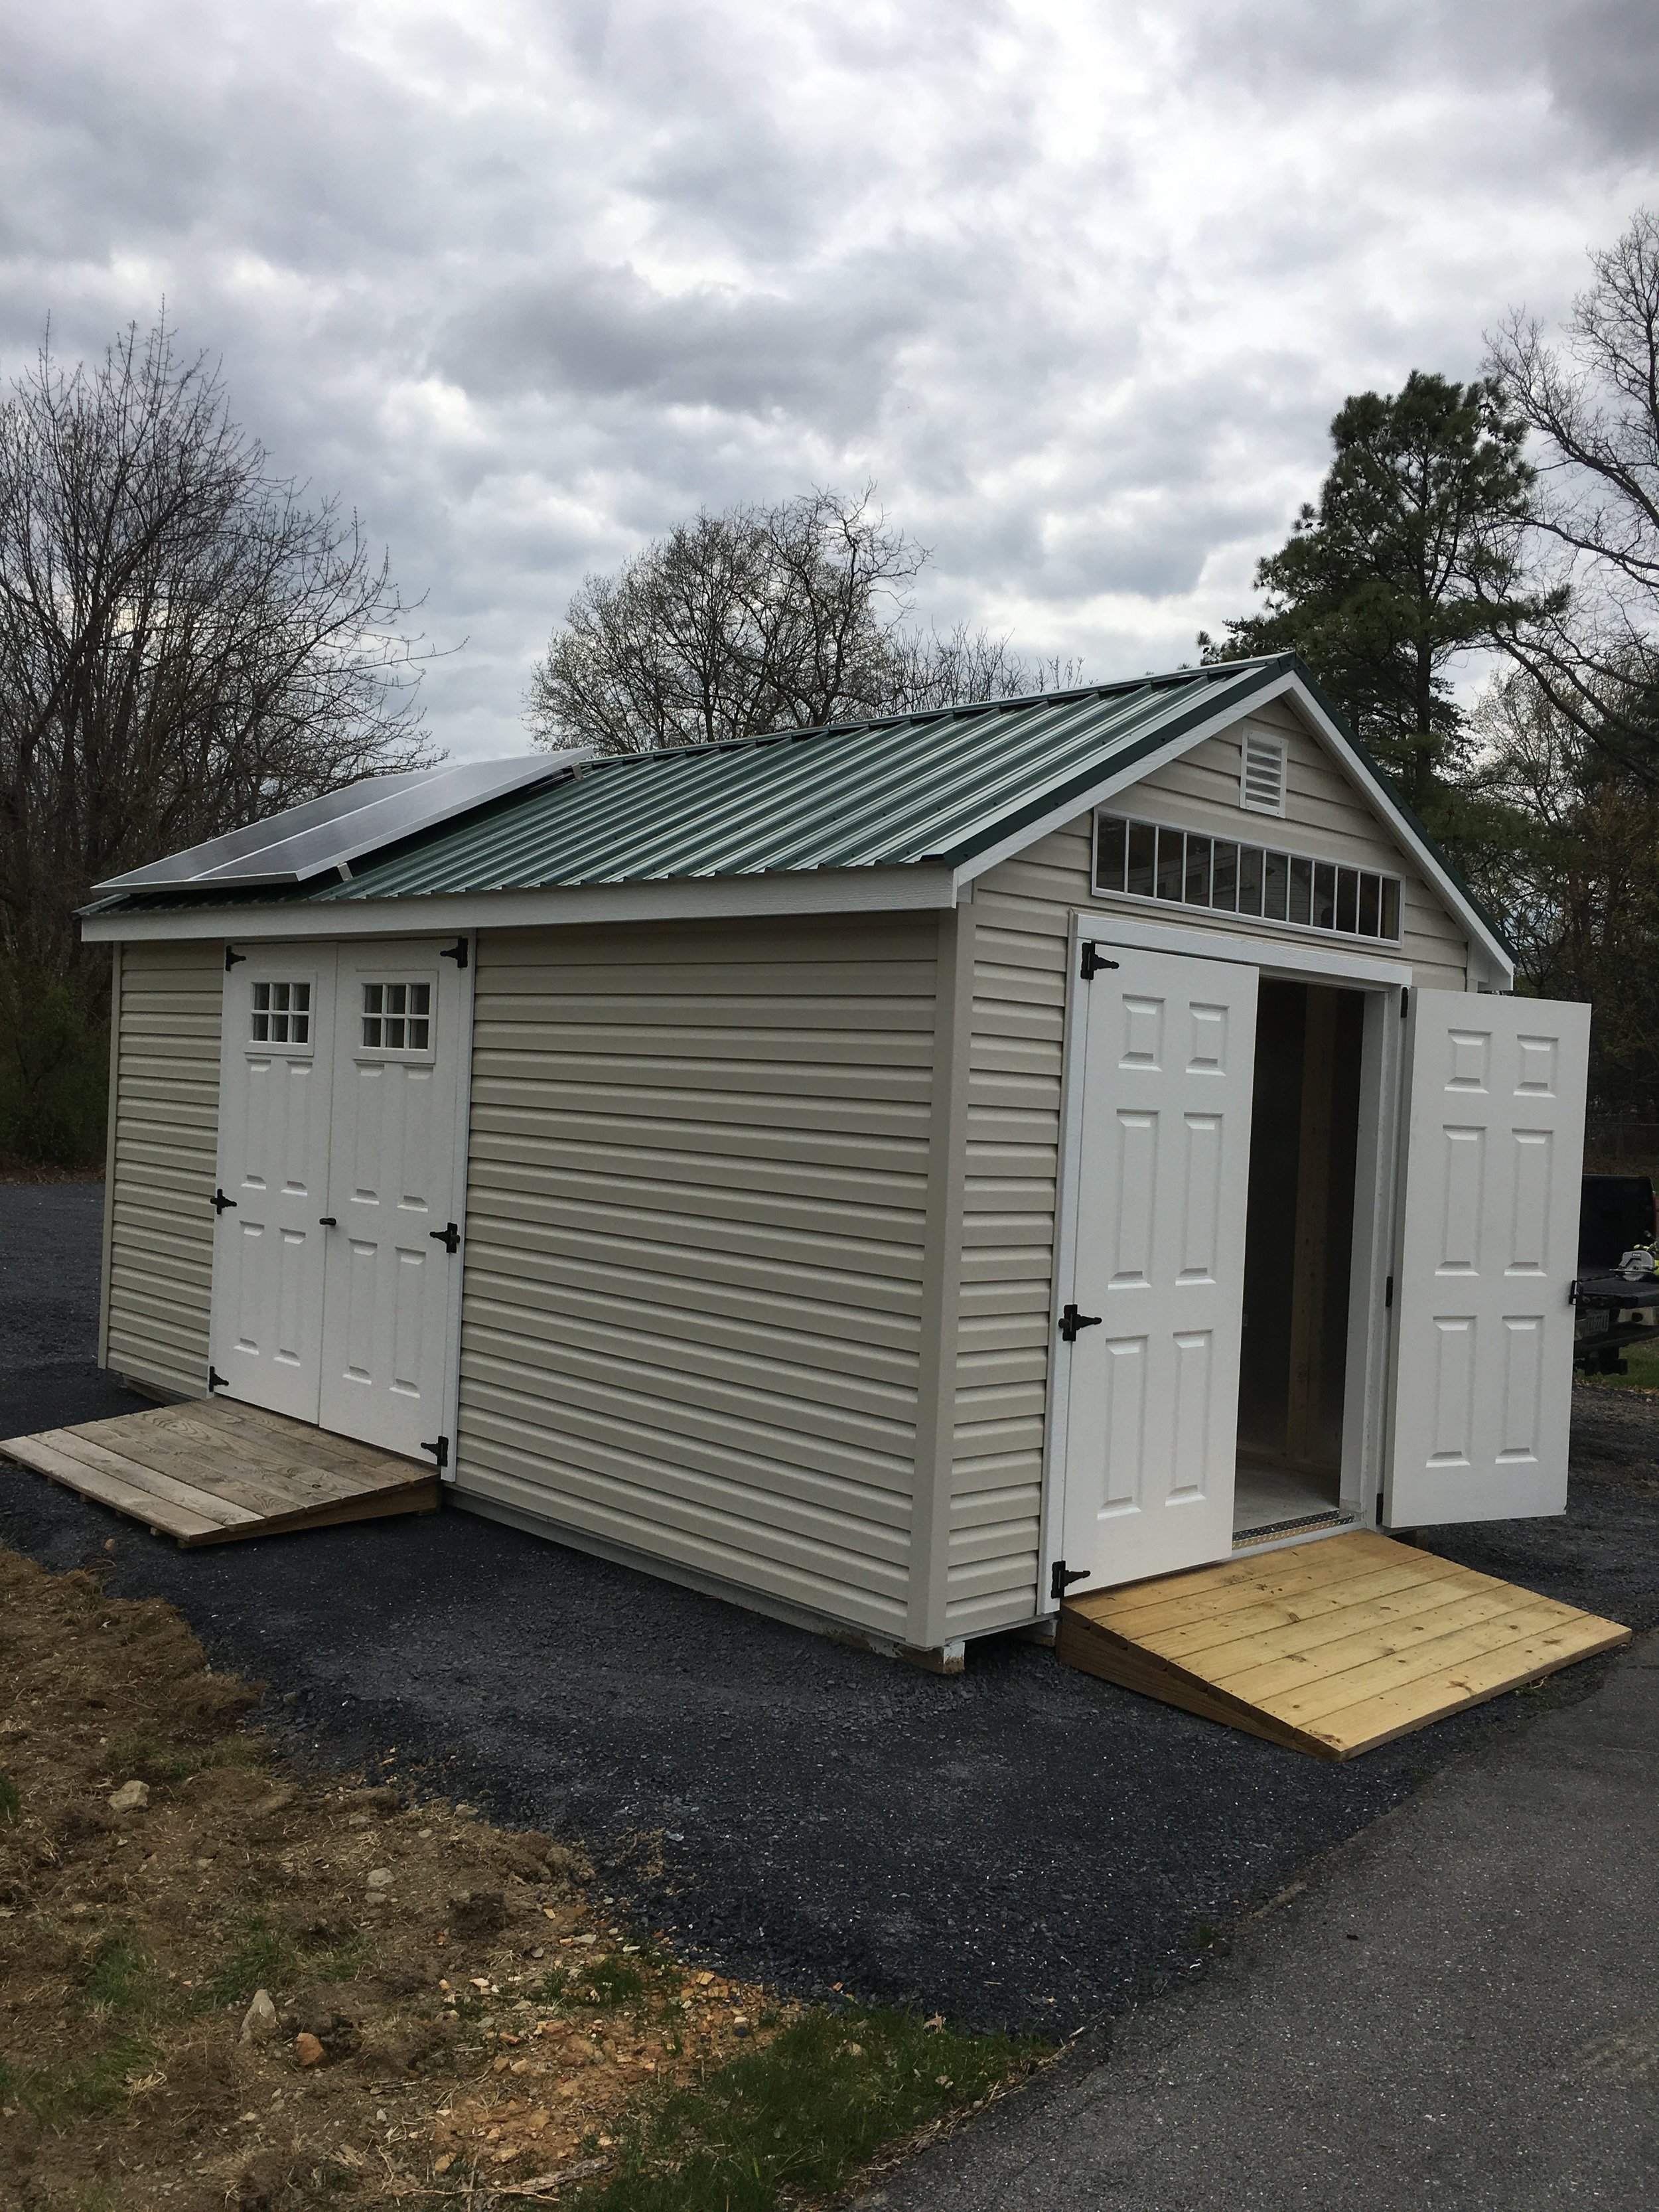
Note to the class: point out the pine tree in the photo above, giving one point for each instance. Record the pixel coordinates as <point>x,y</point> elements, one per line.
<point>1408,559</point>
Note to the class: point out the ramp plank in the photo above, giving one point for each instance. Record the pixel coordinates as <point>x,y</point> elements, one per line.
<point>1331,1649</point>
<point>207,1473</point>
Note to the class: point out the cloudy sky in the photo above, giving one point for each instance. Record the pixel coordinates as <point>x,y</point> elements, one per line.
<point>1079,286</point>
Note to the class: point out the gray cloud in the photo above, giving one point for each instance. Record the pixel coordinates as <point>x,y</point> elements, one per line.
<point>526,280</point>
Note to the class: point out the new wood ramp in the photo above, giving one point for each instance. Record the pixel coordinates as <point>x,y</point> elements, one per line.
<point>212,1471</point>
<point>1331,1649</point>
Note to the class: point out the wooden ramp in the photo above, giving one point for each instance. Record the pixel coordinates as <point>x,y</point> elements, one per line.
<point>1332,1647</point>
<point>212,1470</point>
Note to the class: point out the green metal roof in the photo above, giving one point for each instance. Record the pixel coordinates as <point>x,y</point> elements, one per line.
<point>941,787</point>
<point>923,787</point>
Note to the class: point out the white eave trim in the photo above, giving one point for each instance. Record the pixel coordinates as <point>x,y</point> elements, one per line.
<point>1376,798</point>
<point>823,890</point>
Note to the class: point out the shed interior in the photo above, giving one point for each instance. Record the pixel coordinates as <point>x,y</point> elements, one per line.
<point>1298,1247</point>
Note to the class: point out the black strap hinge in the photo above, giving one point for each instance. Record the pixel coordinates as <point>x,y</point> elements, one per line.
<point>449,1237</point>
<point>1572,1291</point>
<point>1387,1295</point>
<point>216,1380</point>
<point>220,1202</point>
<point>1405,1003</point>
<point>232,957</point>
<point>457,953</point>
<point>1063,1576</point>
<point>1093,961</point>
<point>1071,1321</point>
<point>440,1451</point>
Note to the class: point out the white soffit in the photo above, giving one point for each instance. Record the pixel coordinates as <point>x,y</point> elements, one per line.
<point>326,836</point>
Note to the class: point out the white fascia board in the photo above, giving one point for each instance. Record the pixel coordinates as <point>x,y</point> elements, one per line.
<point>1376,797</point>
<point>824,891</point>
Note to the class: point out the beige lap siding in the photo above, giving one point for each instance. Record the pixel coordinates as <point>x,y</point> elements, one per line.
<point>694,1253</point>
<point>1023,910</point>
<point>163,1161</point>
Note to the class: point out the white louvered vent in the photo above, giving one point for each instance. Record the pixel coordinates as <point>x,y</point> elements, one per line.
<point>1261,776</point>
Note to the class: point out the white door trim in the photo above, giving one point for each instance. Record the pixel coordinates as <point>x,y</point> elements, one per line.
<point>1275,957</point>
<point>1366,1381</point>
<point>463,1129</point>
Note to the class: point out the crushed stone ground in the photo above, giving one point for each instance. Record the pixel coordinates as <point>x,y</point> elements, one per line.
<point>1018,1846</point>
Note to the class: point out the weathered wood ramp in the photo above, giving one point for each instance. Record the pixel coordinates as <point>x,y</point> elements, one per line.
<point>1331,1649</point>
<point>212,1470</point>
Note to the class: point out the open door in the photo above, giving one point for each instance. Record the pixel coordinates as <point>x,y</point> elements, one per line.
<point>1487,1253</point>
<point>1156,1308</point>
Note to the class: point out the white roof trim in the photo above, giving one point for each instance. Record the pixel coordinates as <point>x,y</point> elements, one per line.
<point>685,898</point>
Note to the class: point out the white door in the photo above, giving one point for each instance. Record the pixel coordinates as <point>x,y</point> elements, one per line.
<point>268,1255</point>
<point>393,1269</point>
<point>1169,1050</point>
<point>1487,1252</point>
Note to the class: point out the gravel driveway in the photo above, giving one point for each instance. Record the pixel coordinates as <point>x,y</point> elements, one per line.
<point>1017,1846</point>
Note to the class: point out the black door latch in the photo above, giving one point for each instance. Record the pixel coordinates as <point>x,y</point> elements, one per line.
<point>220,1202</point>
<point>449,1237</point>
<point>1071,1321</point>
<point>327,1221</point>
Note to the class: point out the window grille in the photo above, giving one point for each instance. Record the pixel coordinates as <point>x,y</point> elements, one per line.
<point>1153,861</point>
<point>1261,773</point>
<point>398,1016</point>
<point>282,1013</point>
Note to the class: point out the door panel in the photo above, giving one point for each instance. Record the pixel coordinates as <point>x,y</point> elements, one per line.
<point>397,1038</point>
<point>1168,1049</point>
<point>1487,1254</point>
<point>268,1255</point>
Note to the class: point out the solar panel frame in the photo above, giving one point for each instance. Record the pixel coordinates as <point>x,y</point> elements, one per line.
<point>327,835</point>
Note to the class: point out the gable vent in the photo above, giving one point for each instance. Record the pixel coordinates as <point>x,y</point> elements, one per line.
<point>1261,777</point>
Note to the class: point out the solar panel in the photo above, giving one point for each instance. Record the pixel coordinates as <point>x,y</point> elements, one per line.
<point>326,836</point>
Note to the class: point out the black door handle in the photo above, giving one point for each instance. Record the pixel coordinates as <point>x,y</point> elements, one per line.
<point>326,1221</point>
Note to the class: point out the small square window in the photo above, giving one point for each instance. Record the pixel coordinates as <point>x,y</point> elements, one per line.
<point>398,1016</point>
<point>282,1013</point>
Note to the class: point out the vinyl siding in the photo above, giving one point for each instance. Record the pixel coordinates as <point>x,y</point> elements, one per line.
<point>1023,910</point>
<point>163,1161</point>
<point>695,1218</point>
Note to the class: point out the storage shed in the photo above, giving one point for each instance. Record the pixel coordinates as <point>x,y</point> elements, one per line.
<point>888,1175</point>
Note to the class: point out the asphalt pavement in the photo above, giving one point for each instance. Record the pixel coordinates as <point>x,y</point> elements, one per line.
<point>1017,1846</point>
<point>1460,2008</point>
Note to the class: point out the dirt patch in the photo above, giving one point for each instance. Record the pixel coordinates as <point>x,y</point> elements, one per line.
<point>226,1984</point>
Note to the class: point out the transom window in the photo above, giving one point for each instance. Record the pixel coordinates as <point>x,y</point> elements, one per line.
<point>282,1013</point>
<point>398,1016</point>
<point>1152,860</point>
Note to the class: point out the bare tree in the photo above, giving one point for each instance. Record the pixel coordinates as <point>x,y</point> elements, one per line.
<point>186,642</point>
<point>758,619</point>
<point>965,667</point>
<point>1594,408</point>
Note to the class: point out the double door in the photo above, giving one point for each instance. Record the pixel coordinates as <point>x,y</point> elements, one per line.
<point>336,1275</point>
<point>1467,1298</point>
